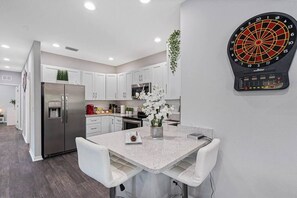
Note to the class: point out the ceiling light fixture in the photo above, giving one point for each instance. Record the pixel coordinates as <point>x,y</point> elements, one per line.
<point>6,59</point>
<point>90,6</point>
<point>111,58</point>
<point>56,45</point>
<point>7,67</point>
<point>5,46</point>
<point>158,39</point>
<point>145,1</point>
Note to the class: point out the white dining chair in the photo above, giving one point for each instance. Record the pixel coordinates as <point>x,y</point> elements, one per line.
<point>193,170</point>
<point>95,161</point>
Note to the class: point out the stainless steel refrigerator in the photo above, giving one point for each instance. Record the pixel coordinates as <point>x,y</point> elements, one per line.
<point>63,117</point>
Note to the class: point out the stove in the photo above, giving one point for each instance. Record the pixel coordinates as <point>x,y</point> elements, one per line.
<point>133,121</point>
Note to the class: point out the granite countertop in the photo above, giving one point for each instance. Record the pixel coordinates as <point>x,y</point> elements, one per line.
<point>154,156</point>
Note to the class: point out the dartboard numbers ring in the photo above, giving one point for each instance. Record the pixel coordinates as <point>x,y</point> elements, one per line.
<point>262,41</point>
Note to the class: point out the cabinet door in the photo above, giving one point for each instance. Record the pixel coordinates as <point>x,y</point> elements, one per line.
<point>128,93</point>
<point>158,76</point>
<point>137,77</point>
<point>88,81</point>
<point>105,124</point>
<point>99,86</point>
<point>121,86</point>
<point>111,124</point>
<point>111,87</point>
<point>118,127</point>
<point>147,75</point>
<point>49,74</point>
<point>74,77</point>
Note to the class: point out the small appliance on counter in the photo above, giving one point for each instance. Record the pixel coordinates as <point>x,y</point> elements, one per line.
<point>90,110</point>
<point>113,108</point>
<point>123,109</point>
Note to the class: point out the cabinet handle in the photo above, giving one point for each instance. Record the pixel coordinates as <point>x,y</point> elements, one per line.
<point>166,89</point>
<point>93,128</point>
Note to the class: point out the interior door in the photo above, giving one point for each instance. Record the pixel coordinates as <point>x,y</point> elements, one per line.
<point>53,122</point>
<point>75,121</point>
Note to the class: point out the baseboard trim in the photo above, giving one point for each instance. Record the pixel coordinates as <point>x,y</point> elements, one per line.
<point>25,138</point>
<point>35,158</point>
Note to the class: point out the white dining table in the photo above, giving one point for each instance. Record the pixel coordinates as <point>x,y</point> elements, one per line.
<point>153,155</point>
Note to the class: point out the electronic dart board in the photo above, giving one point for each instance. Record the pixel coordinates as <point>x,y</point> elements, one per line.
<point>261,51</point>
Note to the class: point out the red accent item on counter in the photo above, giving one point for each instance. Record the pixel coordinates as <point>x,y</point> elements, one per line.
<point>90,109</point>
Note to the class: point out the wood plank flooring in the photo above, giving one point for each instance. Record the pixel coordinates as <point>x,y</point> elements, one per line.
<point>55,177</point>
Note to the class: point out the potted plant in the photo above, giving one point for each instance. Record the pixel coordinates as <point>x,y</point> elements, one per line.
<point>62,76</point>
<point>156,109</point>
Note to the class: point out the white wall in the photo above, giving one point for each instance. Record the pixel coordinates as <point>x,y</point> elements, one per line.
<point>258,156</point>
<point>15,77</point>
<point>7,93</point>
<point>74,63</point>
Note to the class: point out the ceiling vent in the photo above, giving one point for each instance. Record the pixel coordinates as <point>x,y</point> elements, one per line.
<point>71,49</point>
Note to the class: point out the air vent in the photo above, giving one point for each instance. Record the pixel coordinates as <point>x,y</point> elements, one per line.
<point>71,49</point>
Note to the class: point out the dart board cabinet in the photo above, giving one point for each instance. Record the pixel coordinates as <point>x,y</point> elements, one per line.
<point>261,51</point>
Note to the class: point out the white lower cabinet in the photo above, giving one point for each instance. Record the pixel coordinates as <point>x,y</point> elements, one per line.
<point>93,126</point>
<point>103,124</point>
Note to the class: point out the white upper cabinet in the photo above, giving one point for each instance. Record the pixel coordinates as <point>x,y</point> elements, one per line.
<point>111,87</point>
<point>159,75</point>
<point>124,86</point>
<point>142,76</point>
<point>99,86</point>
<point>128,93</point>
<point>94,85</point>
<point>49,74</point>
<point>88,82</point>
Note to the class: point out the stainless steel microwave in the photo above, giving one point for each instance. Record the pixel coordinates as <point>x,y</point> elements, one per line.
<point>138,88</point>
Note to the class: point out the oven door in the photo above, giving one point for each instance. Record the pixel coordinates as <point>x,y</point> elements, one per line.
<point>131,124</point>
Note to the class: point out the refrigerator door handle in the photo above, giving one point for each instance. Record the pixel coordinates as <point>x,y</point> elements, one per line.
<point>63,107</point>
<point>66,109</point>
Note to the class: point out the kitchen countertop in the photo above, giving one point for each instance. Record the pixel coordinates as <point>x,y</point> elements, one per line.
<point>152,155</point>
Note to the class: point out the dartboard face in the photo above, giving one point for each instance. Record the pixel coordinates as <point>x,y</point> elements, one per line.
<point>262,41</point>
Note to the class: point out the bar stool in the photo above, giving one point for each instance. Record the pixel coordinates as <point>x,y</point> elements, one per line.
<point>192,172</point>
<point>95,161</point>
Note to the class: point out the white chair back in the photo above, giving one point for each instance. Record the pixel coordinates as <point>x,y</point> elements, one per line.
<point>94,160</point>
<point>206,159</point>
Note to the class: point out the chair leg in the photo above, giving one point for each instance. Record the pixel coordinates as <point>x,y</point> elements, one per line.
<point>185,191</point>
<point>112,192</point>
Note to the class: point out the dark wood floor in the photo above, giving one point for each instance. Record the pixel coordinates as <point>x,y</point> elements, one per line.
<point>55,177</point>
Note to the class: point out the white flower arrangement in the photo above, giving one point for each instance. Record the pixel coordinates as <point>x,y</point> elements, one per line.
<point>155,106</point>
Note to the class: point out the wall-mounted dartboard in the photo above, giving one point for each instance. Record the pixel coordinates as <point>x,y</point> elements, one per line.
<point>261,51</point>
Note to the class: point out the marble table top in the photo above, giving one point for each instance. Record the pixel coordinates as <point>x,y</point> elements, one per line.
<point>152,155</point>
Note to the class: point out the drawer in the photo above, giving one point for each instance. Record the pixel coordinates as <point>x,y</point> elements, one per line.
<point>94,120</point>
<point>95,128</point>
<point>93,134</point>
<point>118,120</point>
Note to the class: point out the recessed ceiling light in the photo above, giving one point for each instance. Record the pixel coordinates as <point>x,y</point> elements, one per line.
<point>56,45</point>
<point>90,6</point>
<point>111,58</point>
<point>5,46</point>
<point>158,39</point>
<point>7,67</point>
<point>6,59</point>
<point>145,1</point>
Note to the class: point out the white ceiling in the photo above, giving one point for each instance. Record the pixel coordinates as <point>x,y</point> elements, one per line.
<point>123,29</point>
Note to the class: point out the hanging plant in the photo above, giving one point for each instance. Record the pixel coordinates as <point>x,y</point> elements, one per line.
<point>174,49</point>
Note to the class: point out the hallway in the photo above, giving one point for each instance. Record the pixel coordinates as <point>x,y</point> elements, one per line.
<point>54,177</point>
